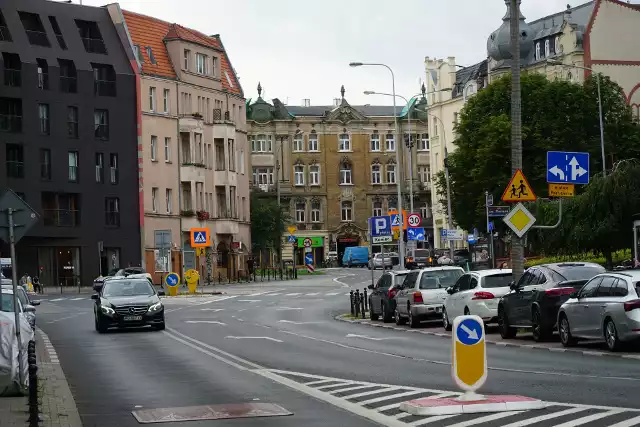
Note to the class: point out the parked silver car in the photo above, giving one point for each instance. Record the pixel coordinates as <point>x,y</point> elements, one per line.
<point>607,306</point>
<point>380,260</point>
<point>423,292</point>
<point>28,305</point>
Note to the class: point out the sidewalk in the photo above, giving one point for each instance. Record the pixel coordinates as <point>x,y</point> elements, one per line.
<point>58,408</point>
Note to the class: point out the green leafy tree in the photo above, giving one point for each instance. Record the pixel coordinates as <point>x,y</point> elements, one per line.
<point>556,116</point>
<point>268,222</point>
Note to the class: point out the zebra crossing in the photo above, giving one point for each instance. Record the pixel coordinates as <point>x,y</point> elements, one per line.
<point>381,403</point>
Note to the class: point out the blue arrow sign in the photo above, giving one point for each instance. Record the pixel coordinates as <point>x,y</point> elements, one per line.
<point>566,167</point>
<point>415,234</point>
<point>308,258</point>
<point>172,279</point>
<point>469,332</point>
<point>380,226</point>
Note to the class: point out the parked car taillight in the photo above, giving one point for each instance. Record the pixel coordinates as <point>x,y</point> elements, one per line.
<point>417,297</point>
<point>632,305</point>
<point>483,295</point>
<point>556,292</point>
<point>391,293</point>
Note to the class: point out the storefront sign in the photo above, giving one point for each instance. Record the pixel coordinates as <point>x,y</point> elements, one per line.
<point>316,242</point>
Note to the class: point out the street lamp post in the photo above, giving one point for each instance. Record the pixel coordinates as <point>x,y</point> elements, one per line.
<point>395,119</point>
<point>556,62</point>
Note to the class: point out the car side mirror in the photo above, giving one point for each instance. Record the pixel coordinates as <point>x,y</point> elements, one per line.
<point>451,291</point>
<point>370,286</point>
<point>160,293</point>
<point>513,286</point>
<point>94,296</point>
<point>29,309</point>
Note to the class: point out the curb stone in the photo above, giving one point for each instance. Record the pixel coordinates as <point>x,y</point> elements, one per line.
<point>367,322</point>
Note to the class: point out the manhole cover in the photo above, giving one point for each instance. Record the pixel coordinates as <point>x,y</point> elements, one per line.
<point>209,412</point>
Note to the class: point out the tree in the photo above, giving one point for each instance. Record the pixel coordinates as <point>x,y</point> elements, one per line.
<point>268,222</point>
<point>556,116</point>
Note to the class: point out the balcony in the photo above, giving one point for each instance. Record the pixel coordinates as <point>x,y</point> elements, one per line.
<point>264,188</point>
<point>37,38</point>
<point>61,218</point>
<point>12,77</point>
<point>10,123</point>
<point>94,45</point>
<point>104,88</point>
<point>68,84</point>
<point>193,172</point>
<point>226,226</point>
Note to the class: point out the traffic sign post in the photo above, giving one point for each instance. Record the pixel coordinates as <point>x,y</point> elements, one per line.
<point>172,280</point>
<point>567,167</point>
<point>414,220</point>
<point>469,365</point>
<point>416,234</point>
<point>308,261</point>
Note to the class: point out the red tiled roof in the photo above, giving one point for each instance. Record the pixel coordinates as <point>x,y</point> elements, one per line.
<point>148,31</point>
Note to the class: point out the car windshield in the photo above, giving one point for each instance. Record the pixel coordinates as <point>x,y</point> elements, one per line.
<point>439,279</point>
<point>399,279</point>
<point>7,303</point>
<point>575,272</point>
<point>497,280</point>
<point>127,288</point>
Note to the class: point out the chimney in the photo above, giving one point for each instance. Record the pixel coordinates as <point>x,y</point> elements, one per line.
<point>336,102</point>
<point>306,103</point>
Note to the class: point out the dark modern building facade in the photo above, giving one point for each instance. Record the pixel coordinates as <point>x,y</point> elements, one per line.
<point>68,139</point>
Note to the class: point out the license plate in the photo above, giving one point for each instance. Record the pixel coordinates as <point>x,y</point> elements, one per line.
<point>438,309</point>
<point>132,318</point>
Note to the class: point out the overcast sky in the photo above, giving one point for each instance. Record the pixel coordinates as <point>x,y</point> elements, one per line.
<point>301,48</point>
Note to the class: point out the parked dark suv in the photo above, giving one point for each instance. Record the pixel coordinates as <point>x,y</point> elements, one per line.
<point>534,301</point>
<point>381,300</point>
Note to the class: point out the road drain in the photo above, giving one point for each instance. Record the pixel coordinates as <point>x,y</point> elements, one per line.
<point>209,412</point>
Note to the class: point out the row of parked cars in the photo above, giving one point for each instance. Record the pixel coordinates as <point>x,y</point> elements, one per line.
<point>582,301</point>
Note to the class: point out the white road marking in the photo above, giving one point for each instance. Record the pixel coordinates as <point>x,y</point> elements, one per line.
<point>288,308</point>
<point>627,423</point>
<point>387,397</point>
<point>313,294</point>
<point>318,382</point>
<point>365,337</point>
<point>485,419</point>
<point>78,299</point>
<point>293,294</point>
<point>256,294</point>
<point>297,323</point>
<point>57,299</point>
<point>368,393</point>
<point>342,384</point>
<point>213,322</point>
<point>350,388</point>
<point>431,419</point>
<point>253,338</point>
<point>330,294</point>
<point>212,309</point>
<point>272,295</point>
<point>545,417</point>
<point>249,300</point>
<point>588,419</point>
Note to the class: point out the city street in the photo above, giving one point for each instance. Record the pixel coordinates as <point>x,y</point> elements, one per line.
<point>278,342</point>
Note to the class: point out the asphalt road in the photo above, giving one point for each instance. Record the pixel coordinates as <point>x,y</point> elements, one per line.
<point>278,342</point>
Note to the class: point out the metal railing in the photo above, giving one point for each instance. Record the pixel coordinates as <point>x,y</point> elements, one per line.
<point>10,123</point>
<point>61,217</point>
<point>217,114</point>
<point>94,45</point>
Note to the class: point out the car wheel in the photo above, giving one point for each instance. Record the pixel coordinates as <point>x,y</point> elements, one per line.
<point>506,331</point>
<point>414,321</point>
<point>399,320</point>
<point>445,320</point>
<point>160,326</point>
<point>611,336</point>
<point>373,315</point>
<point>100,327</point>
<point>564,329</point>
<point>540,332</point>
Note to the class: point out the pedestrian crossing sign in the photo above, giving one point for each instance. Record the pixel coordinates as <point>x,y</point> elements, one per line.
<point>200,237</point>
<point>518,189</point>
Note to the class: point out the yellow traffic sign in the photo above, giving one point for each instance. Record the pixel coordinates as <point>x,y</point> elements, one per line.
<point>292,229</point>
<point>519,220</point>
<point>469,366</point>
<point>518,189</point>
<point>396,233</point>
<point>562,190</point>
<point>201,251</point>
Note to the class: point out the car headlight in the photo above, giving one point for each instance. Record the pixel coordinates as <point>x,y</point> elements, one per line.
<point>108,310</point>
<point>155,307</point>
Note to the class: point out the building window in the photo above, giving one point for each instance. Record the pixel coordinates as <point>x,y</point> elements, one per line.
<point>231,146</point>
<point>201,64</point>
<point>45,164</point>
<point>547,48</point>
<point>537,54</point>
<point>12,69</point>
<point>377,208</point>
<point>15,160</point>
<point>424,174</point>
<point>392,204</point>
<point>391,174</point>
<point>556,46</point>
<point>154,199</point>
<point>345,174</point>
<point>43,115</point>
<point>43,73</point>
<point>138,53</point>
<point>261,143</point>
<point>376,175</point>
<point>152,99</point>
<point>315,211</point>
<point>5,35</point>
<point>112,211</point>
<point>154,148</point>
<point>187,57</point>
<point>101,124</point>
<point>10,115</point>
<point>60,209</point>
<point>91,37</point>
<point>262,176</point>
<point>113,169</point>
<point>424,211</point>
<point>314,175</point>
<point>375,142</point>
<point>68,76</point>
<point>99,168</point>
<point>152,58</point>
<point>167,150</point>
<point>390,142</point>
<point>165,101</point>
<point>314,145</point>
<point>57,32</point>
<point>73,166</point>
<point>298,142</point>
<point>32,24</point>
<point>72,122</point>
<point>104,80</point>
<point>168,196</point>
<point>346,210</point>
<point>423,145</point>
<point>300,211</point>
<point>298,175</point>
<point>344,142</point>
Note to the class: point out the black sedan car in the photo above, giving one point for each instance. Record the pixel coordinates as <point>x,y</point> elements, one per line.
<point>535,300</point>
<point>128,302</point>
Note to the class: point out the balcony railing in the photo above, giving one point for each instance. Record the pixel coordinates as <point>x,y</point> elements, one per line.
<point>102,131</point>
<point>15,169</point>
<point>217,114</point>
<point>10,123</point>
<point>105,88</point>
<point>94,45</point>
<point>61,218</point>
<point>266,188</point>
<point>68,84</point>
<point>37,38</point>
<point>12,77</point>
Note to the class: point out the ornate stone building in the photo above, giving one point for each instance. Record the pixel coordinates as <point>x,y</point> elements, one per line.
<point>336,167</point>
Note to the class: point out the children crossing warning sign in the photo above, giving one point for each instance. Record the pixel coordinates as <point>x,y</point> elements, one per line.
<point>518,189</point>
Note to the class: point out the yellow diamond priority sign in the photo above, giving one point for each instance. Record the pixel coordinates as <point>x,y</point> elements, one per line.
<point>519,220</point>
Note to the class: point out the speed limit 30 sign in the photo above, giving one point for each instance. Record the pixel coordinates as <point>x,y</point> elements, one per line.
<point>414,220</point>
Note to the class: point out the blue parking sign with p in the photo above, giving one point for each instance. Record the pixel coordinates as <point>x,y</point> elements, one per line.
<point>380,226</point>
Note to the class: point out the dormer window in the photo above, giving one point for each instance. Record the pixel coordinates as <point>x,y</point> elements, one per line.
<point>33,27</point>
<point>547,48</point>
<point>152,58</point>
<point>187,59</point>
<point>537,51</point>
<point>91,37</point>
<point>201,64</point>
<point>557,45</point>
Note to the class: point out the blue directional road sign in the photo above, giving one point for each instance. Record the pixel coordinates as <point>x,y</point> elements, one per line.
<point>469,331</point>
<point>469,367</point>
<point>292,239</point>
<point>415,234</point>
<point>564,167</point>
<point>380,226</point>
<point>172,279</point>
<point>308,258</point>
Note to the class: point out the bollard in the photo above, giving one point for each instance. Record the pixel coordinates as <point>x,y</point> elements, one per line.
<point>362,303</point>
<point>353,310</point>
<point>357,303</point>
<point>365,300</point>
<point>34,418</point>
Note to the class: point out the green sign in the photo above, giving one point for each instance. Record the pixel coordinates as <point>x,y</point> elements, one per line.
<point>316,242</point>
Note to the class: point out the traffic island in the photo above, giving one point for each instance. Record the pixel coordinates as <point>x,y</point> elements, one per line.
<point>479,404</point>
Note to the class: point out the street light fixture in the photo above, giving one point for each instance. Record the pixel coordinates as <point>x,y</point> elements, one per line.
<point>562,64</point>
<point>395,120</point>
